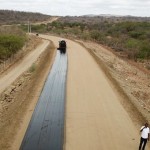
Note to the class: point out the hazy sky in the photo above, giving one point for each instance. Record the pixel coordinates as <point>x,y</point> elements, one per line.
<point>80,7</point>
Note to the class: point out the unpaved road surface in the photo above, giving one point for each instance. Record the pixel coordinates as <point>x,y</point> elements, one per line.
<point>95,118</point>
<point>10,77</point>
<point>7,79</point>
<point>46,22</point>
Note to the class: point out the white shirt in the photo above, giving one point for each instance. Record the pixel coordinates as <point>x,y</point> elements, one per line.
<point>145,132</point>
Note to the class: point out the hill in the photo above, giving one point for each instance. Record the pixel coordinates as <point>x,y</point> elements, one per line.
<point>101,18</point>
<point>18,17</point>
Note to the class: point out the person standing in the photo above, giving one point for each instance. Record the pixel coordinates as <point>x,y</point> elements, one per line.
<point>145,133</point>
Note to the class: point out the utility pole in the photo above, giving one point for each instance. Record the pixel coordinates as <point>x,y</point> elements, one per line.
<point>29,27</point>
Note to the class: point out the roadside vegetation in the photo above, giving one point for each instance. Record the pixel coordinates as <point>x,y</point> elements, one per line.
<point>40,28</point>
<point>130,38</point>
<point>128,35</point>
<point>12,39</point>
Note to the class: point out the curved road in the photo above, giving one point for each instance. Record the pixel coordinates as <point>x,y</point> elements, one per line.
<point>95,118</point>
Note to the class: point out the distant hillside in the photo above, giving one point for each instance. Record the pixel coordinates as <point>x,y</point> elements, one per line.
<point>101,18</point>
<point>17,17</point>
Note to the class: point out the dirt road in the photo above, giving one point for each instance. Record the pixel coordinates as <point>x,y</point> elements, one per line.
<point>7,79</point>
<point>95,118</point>
<point>46,22</point>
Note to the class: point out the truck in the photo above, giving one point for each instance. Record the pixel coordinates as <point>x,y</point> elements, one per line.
<point>62,46</point>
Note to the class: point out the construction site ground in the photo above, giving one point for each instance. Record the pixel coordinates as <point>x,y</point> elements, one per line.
<point>131,84</point>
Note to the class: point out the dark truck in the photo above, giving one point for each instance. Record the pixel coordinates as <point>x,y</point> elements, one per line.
<point>62,46</point>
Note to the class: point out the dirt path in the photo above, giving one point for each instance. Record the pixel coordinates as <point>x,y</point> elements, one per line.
<point>48,21</point>
<point>95,118</point>
<point>6,80</point>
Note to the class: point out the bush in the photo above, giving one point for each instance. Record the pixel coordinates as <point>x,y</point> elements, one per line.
<point>10,44</point>
<point>3,52</point>
<point>136,35</point>
<point>132,38</point>
<point>132,44</point>
<point>96,35</point>
<point>32,68</point>
<point>144,51</point>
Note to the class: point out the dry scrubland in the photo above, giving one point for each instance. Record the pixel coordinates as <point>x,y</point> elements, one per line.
<point>125,59</point>
<point>20,17</point>
<point>127,36</point>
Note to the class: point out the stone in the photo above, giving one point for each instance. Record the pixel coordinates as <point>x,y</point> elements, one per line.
<point>9,99</point>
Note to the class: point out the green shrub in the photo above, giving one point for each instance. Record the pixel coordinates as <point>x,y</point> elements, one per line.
<point>32,68</point>
<point>144,50</point>
<point>132,43</point>
<point>132,38</point>
<point>10,44</point>
<point>136,34</point>
<point>96,35</point>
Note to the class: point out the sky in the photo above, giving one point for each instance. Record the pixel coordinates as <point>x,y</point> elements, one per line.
<point>80,7</point>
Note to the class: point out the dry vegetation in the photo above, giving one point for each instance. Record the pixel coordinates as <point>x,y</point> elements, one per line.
<point>18,17</point>
<point>12,39</point>
<point>98,19</point>
<point>130,39</point>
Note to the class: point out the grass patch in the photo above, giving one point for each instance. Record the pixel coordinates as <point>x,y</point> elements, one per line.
<point>32,68</point>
